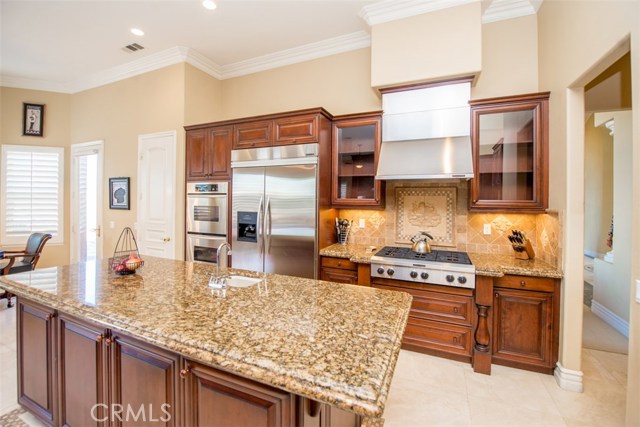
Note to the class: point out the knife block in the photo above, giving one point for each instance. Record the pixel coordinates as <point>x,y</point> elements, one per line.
<point>528,252</point>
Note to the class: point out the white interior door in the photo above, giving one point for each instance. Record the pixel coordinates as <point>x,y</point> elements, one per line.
<point>86,201</point>
<point>157,194</point>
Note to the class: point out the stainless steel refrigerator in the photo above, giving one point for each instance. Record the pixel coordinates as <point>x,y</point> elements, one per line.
<point>274,208</point>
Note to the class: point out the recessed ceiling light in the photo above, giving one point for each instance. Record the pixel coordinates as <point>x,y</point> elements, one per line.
<point>209,4</point>
<point>137,32</point>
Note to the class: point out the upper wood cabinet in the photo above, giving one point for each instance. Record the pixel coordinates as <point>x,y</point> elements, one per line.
<point>208,153</point>
<point>356,148</point>
<point>295,127</point>
<point>510,152</point>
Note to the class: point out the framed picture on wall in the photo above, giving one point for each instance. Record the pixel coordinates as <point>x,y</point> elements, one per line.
<point>33,119</point>
<point>119,193</point>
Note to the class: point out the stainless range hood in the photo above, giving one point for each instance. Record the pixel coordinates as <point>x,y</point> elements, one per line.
<point>425,133</point>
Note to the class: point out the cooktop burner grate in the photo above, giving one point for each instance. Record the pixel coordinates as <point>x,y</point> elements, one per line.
<point>451,257</point>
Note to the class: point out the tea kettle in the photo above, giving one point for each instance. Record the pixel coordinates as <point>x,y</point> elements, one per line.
<point>421,242</point>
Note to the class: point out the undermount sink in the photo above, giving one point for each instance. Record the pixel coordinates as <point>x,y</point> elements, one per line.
<point>242,281</point>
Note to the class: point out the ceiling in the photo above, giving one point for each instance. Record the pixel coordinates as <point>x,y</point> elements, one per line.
<point>73,45</point>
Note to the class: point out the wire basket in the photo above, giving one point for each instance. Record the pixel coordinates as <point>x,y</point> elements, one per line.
<point>126,258</point>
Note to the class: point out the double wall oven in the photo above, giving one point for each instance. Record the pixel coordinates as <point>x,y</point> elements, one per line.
<point>207,207</point>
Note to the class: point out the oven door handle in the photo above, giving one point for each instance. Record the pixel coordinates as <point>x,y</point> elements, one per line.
<point>260,226</point>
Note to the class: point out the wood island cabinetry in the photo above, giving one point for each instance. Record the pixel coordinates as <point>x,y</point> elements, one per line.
<point>100,365</point>
<point>510,151</point>
<point>75,373</point>
<point>36,350</point>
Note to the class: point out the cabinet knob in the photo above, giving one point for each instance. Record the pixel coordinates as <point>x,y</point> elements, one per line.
<point>50,316</point>
<point>110,341</point>
<point>497,295</point>
<point>184,372</point>
<point>523,283</point>
<point>99,338</point>
<point>455,309</point>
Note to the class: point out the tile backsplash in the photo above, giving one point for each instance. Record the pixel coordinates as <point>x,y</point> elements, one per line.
<point>381,226</point>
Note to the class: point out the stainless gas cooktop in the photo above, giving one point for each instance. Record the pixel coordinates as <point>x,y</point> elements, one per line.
<point>446,268</point>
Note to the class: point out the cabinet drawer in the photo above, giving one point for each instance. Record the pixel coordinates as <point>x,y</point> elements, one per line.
<point>438,306</point>
<point>526,282</point>
<point>296,130</point>
<point>251,135</point>
<point>438,336</point>
<point>339,276</point>
<point>341,263</point>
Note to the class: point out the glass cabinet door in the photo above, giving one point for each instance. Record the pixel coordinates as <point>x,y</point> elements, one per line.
<point>356,144</point>
<point>509,139</point>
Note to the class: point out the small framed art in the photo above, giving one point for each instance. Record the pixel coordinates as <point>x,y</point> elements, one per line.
<point>33,119</point>
<point>119,193</point>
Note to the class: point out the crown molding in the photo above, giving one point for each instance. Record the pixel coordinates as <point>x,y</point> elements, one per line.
<point>203,63</point>
<point>32,84</point>
<point>391,10</point>
<point>307,52</point>
<point>500,10</point>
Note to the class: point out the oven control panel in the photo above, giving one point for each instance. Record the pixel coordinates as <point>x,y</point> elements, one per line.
<point>420,274</point>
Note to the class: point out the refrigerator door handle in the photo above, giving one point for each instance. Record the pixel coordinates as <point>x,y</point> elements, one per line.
<point>260,226</point>
<point>267,226</point>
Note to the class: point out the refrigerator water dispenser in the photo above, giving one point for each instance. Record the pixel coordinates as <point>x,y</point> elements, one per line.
<point>247,226</point>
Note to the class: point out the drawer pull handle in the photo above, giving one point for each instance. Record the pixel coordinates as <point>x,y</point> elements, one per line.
<point>523,283</point>
<point>184,372</point>
<point>455,309</point>
<point>455,340</point>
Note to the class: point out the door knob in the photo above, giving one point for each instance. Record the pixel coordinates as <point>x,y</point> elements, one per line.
<point>97,230</point>
<point>166,239</point>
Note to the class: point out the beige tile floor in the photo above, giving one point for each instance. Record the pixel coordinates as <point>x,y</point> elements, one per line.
<point>430,391</point>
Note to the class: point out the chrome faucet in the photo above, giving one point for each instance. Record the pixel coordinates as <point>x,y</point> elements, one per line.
<point>217,281</point>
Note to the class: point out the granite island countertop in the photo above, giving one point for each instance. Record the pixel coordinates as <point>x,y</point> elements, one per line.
<point>330,342</point>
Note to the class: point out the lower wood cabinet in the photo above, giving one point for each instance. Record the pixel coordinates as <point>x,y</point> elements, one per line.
<point>72,372</point>
<point>215,398</point>
<point>341,270</point>
<point>36,352</point>
<point>440,321</point>
<point>526,322</point>
<point>101,373</point>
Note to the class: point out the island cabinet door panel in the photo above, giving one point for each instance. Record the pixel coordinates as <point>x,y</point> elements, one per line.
<point>311,413</point>
<point>217,399</point>
<point>36,367</point>
<point>81,373</point>
<point>144,380</point>
<point>523,328</point>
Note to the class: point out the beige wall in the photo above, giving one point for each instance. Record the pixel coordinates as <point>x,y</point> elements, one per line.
<point>573,38</point>
<point>118,113</point>
<point>430,46</point>
<point>202,97</point>
<point>598,187</point>
<point>509,58</point>
<point>339,83</point>
<point>56,134</point>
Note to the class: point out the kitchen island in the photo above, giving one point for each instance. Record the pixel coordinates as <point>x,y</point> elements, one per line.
<point>286,351</point>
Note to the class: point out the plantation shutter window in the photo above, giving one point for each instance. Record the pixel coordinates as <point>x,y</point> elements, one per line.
<point>32,198</point>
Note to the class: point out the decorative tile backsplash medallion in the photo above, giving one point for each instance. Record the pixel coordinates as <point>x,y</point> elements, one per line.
<point>426,209</point>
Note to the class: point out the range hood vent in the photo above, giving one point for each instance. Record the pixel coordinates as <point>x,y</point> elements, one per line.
<point>425,133</point>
